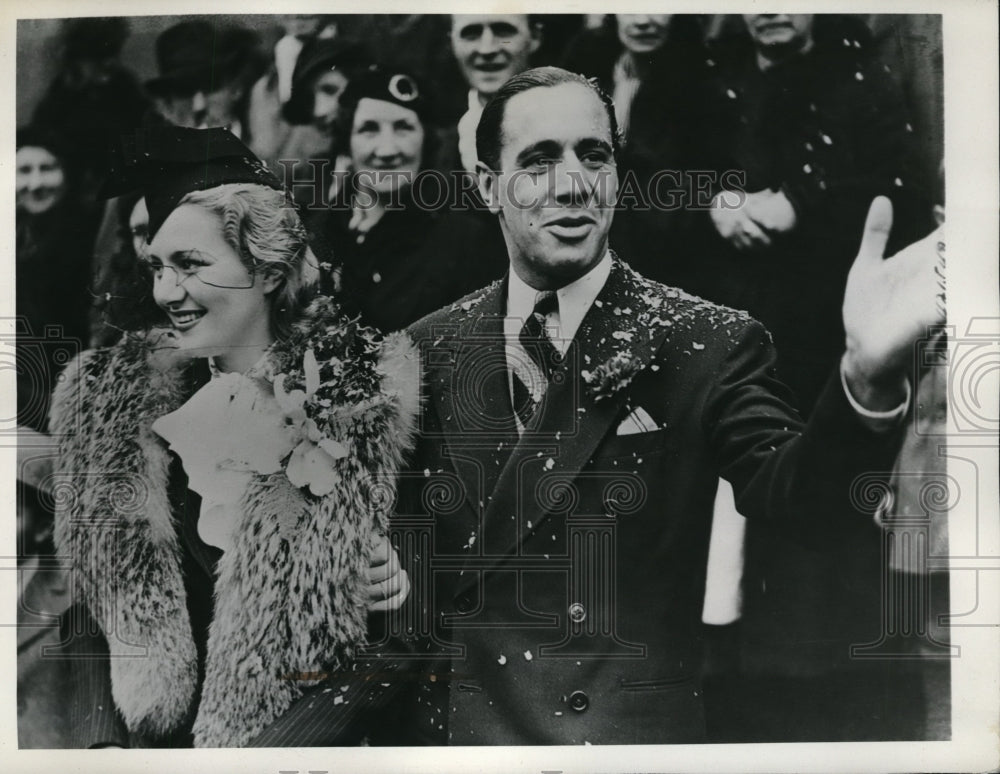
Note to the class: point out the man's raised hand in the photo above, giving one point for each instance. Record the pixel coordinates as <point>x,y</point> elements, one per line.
<point>889,304</point>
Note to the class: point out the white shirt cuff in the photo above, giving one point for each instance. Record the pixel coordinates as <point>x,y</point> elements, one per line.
<point>877,420</point>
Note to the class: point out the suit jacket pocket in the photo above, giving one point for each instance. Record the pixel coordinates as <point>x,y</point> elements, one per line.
<point>634,446</point>
<point>658,684</point>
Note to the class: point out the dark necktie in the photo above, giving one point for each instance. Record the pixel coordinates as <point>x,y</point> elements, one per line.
<point>543,353</point>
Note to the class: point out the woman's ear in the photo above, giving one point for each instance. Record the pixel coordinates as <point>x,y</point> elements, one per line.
<point>270,279</point>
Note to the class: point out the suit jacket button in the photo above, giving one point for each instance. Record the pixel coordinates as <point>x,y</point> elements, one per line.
<point>577,612</point>
<point>579,701</point>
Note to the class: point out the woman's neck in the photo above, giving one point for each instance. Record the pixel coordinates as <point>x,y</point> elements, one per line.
<point>240,359</point>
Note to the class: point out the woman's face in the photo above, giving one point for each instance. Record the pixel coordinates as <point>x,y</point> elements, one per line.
<point>216,305</point>
<point>327,90</point>
<point>41,181</point>
<point>387,143</point>
<point>642,33</point>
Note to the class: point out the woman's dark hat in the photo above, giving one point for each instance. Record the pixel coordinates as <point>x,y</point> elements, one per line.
<point>320,55</point>
<point>165,163</point>
<point>40,136</point>
<point>193,56</point>
<point>389,85</point>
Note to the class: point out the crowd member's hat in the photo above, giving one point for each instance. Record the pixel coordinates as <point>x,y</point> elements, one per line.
<point>165,163</point>
<point>318,56</point>
<point>40,136</point>
<point>389,85</point>
<point>195,56</point>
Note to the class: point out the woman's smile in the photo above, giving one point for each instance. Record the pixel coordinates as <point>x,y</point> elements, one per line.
<point>186,319</point>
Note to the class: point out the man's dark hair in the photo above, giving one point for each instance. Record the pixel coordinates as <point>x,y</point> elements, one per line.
<point>488,133</point>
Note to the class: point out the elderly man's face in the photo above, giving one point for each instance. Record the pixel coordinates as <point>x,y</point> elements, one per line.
<point>790,32</point>
<point>492,49</point>
<point>557,184</point>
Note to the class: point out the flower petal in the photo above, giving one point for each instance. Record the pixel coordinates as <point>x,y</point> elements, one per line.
<point>335,449</point>
<point>311,466</point>
<point>311,369</point>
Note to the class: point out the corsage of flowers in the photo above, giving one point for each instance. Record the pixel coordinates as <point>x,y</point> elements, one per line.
<point>612,375</point>
<point>313,460</point>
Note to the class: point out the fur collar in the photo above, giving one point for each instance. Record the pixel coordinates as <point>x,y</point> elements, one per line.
<point>289,596</point>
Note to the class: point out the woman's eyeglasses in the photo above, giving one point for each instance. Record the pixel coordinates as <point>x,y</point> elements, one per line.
<point>191,265</point>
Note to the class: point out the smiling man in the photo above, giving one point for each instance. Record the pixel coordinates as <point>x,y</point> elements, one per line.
<point>489,50</point>
<point>576,420</point>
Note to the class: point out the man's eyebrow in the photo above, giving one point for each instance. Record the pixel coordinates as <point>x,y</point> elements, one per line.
<point>503,28</point>
<point>591,143</point>
<point>549,147</point>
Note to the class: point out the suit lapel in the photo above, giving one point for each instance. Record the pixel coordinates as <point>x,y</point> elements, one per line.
<point>467,375</point>
<point>610,348</point>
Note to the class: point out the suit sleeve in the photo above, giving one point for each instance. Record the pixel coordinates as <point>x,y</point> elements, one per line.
<point>342,710</point>
<point>806,477</point>
<point>93,716</point>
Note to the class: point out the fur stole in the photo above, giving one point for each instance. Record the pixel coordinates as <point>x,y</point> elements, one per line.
<point>290,595</point>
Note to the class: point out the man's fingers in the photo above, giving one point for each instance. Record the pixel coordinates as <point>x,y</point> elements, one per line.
<point>756,236</point>
<point>381,551</point>
<point>396,587</point>
<point>878,224</point>
<point>379,572</point>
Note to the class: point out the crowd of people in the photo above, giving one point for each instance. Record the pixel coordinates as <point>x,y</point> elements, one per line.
<point>747,153</point>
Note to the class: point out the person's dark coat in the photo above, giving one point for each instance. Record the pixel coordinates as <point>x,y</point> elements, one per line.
<point>828,129</point>
<point>414,260</point>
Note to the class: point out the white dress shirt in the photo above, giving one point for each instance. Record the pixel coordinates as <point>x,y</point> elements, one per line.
<point>573,301</point>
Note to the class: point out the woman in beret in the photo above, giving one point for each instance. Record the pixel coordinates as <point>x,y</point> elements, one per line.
<point>224,480</point>
<point>401,250</point>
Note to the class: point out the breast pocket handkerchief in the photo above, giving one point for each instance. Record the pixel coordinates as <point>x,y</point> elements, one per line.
<point>637,421</point>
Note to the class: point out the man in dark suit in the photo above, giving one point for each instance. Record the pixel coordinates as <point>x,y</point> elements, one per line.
<point>576,420</point>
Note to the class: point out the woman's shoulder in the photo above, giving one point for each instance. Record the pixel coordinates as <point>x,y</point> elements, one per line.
<point>142,362</point>
<point>345,348</point>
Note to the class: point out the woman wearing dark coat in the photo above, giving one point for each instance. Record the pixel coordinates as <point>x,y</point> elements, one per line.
<point>54,236</point>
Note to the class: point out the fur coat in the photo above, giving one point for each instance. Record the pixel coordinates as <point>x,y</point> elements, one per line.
<point>290,595</point>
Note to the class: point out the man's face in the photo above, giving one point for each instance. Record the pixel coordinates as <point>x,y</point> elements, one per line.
<point>557,184</point>
<point>492,49</point>
<point>789,32</point>
<point>642,33</point>
<point>202,109</point>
